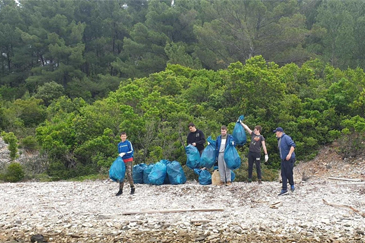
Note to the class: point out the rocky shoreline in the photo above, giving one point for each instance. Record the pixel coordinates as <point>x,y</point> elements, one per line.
<point>90,212</point>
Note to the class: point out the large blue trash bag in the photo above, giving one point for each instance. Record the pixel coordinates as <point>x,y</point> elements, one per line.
<point>166,162</point>
<point>205,178</point>
<point>232,158</point>
<point>146,173</point>
<point>175,173</point>
<point>209,154</point>
<point>138,173</point>
<point>193,157</point>
<point>117,170</point>
<point>158,174</point>
<point>239,134</point>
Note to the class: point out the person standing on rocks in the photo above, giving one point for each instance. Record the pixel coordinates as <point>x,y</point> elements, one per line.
<point>254,151</point>
<point>126,152</point>
<point>196,138</point>
<point>286,149</point>
<point>220,146</point>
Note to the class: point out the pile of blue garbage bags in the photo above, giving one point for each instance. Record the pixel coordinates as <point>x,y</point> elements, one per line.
<point>167,172</point>
<point>162,172</point>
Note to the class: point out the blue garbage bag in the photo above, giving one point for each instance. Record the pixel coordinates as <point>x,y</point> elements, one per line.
<point>209,154</point>
<point>193,157</point>
<point>158,174</point>
<point>205,178</point>
<point>233,175</point>
<point>175,173</point>
<point>232,158</point>
<point>166,162</point>
<point>117,170</point>
<point>138,173</point>
<point>239,134</point>
<point>146,173</point>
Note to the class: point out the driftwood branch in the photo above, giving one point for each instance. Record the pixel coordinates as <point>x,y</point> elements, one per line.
<point>344,179</point>
<point>276,205</point>
<point>344,206</point>
<point>351,183</point>
<point>175,211</point>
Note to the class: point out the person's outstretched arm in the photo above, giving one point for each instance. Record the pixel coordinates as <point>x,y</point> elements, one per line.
<point>246,127</point>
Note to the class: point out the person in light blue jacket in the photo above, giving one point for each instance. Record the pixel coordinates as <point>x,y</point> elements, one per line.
<point>286,149</point>
<point>220,146</point>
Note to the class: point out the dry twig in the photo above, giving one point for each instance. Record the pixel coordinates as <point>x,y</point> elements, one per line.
<point>344,206</point>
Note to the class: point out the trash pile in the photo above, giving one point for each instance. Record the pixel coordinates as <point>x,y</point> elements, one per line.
<point>167,172</point>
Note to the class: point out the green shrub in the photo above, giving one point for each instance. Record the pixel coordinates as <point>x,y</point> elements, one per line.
<point>29,143</point>
<point>14,173</point>
<point>12,141</point>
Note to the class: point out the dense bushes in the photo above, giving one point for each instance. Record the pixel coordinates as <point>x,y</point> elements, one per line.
<point>81,138</point>
<point>14,173</point>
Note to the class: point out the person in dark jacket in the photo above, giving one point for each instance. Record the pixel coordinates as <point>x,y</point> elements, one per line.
<point>254,151</point>
<point>196,138</point>
<point>286,149</point>
<point>220,146</point>
<point>126,152</point>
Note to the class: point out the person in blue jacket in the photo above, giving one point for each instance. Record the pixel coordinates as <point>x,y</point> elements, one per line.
<point>286,149</point>
<point>220,146</point>
<point>126,152</point>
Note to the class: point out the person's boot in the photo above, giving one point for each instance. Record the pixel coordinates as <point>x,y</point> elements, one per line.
<point>133,189</point>
<point>260,182</point>
<point>120,192</point>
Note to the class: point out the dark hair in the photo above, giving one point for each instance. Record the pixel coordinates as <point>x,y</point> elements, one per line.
<point>123,133</point>
<point>259,128</point>
<point>191,124</point>
<point>224,127</point>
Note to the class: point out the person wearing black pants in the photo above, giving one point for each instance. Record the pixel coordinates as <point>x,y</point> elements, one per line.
<point>286,149</point>
<point>287,174</point>
<point>254,153</point>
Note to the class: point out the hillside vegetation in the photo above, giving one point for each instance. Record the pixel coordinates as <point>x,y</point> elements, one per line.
<point>74,74</point>
<point>315,104</point>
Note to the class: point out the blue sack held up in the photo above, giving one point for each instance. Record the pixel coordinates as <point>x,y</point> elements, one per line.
<point>238,133</point>
<point>205,178</point>
<point>232,158</point>
<point>209,154</point>
<point>158,174</point>
<point>175,173</point>
<point>146,173</point>
<point>193,157</point>
<point>117,170</point>
<point>138,173</point>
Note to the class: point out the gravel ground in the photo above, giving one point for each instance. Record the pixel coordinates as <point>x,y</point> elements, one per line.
<point>318,211</point>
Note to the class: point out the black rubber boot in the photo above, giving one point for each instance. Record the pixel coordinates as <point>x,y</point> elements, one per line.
<point>120,192</point>
<point>133,190</point>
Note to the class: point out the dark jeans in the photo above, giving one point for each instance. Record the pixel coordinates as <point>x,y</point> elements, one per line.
<point>287,173</point>
<point>254,158</point>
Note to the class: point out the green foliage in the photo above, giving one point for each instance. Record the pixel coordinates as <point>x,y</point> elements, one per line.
<point>49,92</point>
<point>29,143</point>
<point>352,138</point>
<point>14,173</point>
<point>12,141</point>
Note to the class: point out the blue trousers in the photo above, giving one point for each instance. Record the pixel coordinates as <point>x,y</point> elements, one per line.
<point>287,172</point>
